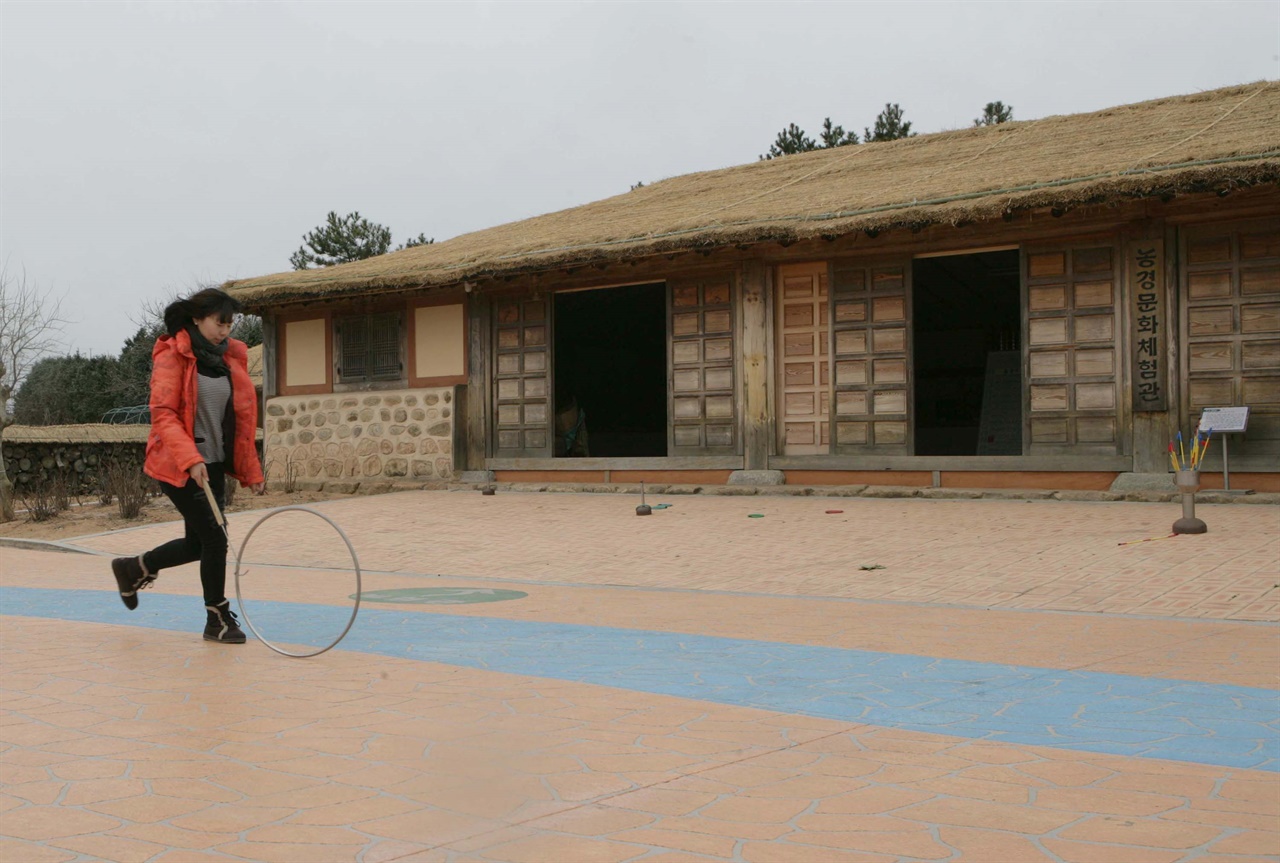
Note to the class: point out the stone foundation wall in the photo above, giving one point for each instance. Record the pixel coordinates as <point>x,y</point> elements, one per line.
<point>383,435</point>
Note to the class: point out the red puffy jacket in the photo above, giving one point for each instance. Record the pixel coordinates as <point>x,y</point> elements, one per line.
<point>171,446</point>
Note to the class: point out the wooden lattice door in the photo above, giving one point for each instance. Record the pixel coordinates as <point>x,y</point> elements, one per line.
<point>1231,277</point>
<point>522,378</point>
<point>871,345</point>
<point>803,351</point>
<point>1072,350</point>
<point>703,392</point>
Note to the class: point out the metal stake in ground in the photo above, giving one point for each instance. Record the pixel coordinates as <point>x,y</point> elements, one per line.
<point>643,508</point>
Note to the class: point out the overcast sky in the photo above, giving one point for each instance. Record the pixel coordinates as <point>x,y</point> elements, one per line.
<point>146,147</point>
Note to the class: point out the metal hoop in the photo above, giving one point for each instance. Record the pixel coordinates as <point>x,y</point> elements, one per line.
<point>240,599</point>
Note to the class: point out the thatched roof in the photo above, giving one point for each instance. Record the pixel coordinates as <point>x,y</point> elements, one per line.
<point>1181,144</point>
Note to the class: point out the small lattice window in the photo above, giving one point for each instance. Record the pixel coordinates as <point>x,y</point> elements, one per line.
<point>369,348</point>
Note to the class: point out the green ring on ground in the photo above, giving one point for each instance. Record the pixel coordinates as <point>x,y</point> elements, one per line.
<point>441,595</point>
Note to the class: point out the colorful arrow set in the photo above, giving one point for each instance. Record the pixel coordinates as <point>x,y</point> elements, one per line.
<point>1178,457</point>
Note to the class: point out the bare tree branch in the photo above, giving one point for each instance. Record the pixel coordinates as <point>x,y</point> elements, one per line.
<point>31,324</point>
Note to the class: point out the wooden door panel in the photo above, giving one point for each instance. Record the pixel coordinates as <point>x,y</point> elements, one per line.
<point>870,311</point>
<point>1072,391</point>
<point>521,387</point>
<point>702,395</point>
<point>801,315</point>
<point>1231,319</point>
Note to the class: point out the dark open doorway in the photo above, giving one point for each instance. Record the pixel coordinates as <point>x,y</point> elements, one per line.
<point>611,372</point>
<point>968,358</point>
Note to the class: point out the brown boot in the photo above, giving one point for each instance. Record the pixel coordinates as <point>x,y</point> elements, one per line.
<point>222,625</point>
<point>131,577</point>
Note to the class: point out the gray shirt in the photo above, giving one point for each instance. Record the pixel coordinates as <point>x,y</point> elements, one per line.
<point>213,397</point>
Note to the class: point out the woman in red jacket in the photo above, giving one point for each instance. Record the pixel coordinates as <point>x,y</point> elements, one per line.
<point>204,418</point>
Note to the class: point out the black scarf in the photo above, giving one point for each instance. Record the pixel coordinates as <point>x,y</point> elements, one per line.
<point>210,360</point>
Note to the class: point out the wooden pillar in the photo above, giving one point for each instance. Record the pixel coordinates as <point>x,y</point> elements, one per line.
<point>475,407</point>
<point>755,365</point>
<point>270,344</point>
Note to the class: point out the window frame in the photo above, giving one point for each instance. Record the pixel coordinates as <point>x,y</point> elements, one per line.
<point>411,326</point>
<point>281,352</point>
<point>342,380</point>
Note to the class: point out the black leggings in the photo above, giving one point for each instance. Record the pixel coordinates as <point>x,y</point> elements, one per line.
<point>204,540</point>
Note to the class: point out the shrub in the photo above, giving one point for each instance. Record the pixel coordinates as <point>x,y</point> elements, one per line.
<point>38,500</point>
<point>131,488</point>
<point>291,470</point>
<point>289,478</point>
<point>106,491</point>
<point>60,491</point>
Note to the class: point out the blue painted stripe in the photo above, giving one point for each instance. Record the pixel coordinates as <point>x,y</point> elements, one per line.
<point>1232,726</point>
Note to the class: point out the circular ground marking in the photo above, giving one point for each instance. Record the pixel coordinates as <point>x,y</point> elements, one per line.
<point>441,595</point>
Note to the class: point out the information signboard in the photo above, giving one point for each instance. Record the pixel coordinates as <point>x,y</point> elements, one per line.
<point>1224,420</point>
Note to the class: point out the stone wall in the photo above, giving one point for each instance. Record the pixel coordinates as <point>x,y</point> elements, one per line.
<point>398,435</point>
<point>79,465</point>
<point>77,454</point>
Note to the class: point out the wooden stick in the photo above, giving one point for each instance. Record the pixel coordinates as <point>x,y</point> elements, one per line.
<point>1152,539</point>
<point>213,505</point>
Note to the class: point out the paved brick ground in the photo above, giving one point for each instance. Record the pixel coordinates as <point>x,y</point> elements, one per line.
<point>124,743</point>
<point>1046,555</point>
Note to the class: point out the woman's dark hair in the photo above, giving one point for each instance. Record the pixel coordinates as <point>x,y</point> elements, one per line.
<point>201,304</point>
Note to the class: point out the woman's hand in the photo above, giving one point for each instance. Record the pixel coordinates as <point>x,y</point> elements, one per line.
<point>199,473</point>
<point>259,488</point>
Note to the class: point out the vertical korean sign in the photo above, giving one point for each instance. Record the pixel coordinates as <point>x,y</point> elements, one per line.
<point>1149,345</point>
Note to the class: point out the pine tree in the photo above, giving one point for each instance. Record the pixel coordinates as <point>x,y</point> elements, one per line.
<point>420,240</point>
<point>994,113</point>
<point>889,125</point>
<point>790,140</point>
<point>835,136</point>
<point>339,240</point>
<point>132,383</point>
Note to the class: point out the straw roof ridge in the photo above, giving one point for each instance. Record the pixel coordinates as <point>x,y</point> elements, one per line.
<point>1211,140</point>
<point>85,433</point>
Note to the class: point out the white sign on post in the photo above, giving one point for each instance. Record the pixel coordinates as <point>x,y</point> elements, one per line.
<point>1224,421</point>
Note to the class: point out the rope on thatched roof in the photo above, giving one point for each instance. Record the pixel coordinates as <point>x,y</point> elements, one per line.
<point>882,208</point>
<point>1223,116</point>
<point>822,169</point>
<point>1207,141</point>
